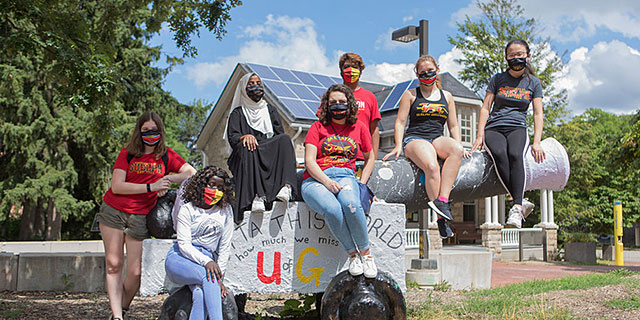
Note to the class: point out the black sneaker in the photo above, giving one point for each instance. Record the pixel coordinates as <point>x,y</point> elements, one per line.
<point>441,208</point>
<point>445,230</point>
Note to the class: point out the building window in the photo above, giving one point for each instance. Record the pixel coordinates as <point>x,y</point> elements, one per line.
<point>469,211</point>
<point>466,129</point>
<point>412,216</point>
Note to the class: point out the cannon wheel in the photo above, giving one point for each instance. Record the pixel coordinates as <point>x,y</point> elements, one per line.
<point>343,287</point>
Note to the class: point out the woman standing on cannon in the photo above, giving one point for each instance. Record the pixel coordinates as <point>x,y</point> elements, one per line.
<point>330,186</point>
<point>139,177</point>
<point>504,130</point>
<point>262,160</point>
<point>429,108</point>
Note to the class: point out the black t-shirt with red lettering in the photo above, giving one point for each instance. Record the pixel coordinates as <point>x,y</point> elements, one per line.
<point>512,99</point>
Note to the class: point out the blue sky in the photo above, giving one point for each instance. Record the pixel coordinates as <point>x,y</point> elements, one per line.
<point>598,41</point>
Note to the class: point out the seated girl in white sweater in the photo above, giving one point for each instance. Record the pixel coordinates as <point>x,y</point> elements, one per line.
<point>203,220</point>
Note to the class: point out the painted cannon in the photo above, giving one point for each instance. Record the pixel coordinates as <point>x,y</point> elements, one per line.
<point>403,182</point>
<point>290,248</point>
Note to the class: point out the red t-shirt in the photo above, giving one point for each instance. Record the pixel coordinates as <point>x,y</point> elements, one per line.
<point>338,151</point>
<point>143,170</point>
<point>367,110</point>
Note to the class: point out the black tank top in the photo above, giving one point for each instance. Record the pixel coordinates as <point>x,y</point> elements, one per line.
<point>426,117</point>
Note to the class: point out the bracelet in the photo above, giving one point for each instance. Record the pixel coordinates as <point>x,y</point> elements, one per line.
<point>148,187</point>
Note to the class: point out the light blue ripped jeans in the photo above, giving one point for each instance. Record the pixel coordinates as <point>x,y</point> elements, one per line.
<point>343,212</point>
<point>207,299</point>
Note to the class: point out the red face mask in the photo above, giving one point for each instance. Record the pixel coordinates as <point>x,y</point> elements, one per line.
<point>212,196</point>
<point>350,75</point>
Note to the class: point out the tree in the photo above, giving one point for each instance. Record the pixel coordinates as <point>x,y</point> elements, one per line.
<point>598,176</point>
<point>482,43</point>
<point>75,75</point>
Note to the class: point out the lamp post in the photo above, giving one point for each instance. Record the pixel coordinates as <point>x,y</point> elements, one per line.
<point>408,34</point>
<point>411,33</point>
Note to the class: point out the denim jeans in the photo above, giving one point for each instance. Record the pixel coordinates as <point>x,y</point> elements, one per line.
<point>343,211</point>
<point>207,299</point>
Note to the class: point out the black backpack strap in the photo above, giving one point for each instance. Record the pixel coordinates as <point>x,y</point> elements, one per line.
<point>165,160</point>
<point>129,157</point>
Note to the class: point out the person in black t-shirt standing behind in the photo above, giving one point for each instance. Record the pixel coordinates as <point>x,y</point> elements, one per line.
<point>504,130</point>
<point>429,108</point>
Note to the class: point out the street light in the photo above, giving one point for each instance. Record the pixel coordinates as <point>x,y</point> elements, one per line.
<point>410,33</point>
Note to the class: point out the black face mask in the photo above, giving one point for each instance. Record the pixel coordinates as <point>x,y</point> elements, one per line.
<point>336,108</point>
<point>255,92</point>
<point>517,64</point>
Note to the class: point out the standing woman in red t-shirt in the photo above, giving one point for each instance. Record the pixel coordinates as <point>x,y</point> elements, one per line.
<point>139,177</point>
<point>329,184</point>
<point>351,67</point>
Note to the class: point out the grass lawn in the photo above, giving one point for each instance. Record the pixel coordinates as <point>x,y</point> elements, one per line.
<point>613,295</point>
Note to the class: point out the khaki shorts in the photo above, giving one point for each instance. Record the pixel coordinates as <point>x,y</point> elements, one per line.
<point>133,225</point>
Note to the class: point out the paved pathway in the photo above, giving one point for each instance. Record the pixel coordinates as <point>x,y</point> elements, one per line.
<point>503,273</point>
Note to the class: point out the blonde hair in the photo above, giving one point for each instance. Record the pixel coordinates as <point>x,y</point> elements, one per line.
<point>426,58</point>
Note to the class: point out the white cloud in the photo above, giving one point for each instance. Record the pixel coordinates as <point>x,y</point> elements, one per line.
<point>280,41</point>
<point>292,43</point>
<point>447,62</point>
<point>605,76</point>
<point>388,73</point>
<point>565,21</point>
<point>407,19</point>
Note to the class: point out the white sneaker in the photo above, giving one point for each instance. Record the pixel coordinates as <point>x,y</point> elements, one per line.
<point>355,265</point>
<point>258,205</point>
<point>370,269</point>
<point>284,194</point>
<point>515,217</point>
<point>527,207</point>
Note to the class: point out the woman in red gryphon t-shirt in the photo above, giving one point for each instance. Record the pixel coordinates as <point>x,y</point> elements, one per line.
<point>139,178</point>
<point>329,184</point>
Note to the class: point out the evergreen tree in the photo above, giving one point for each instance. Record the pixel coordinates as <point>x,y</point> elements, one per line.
<point>75,75</point>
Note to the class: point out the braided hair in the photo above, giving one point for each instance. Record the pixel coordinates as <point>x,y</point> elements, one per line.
<point>194,188</point>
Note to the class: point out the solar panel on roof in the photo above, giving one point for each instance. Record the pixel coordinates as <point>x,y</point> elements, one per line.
<point>313,105</point>
<point>414,84</point>
<point>319,92</point>
<point>263,71</point>
<point>302,92</point>
<point>395,95</point>
<point>298,108</point>
<point>279,89</point>
<point>285,75</point>
<point>306,78</point>
<point>324,80</point>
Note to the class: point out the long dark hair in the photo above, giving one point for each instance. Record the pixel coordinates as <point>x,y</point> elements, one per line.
<point>528,70</point>
<point>194,188</point>
<point>352,112</point>
<point>136,146</point>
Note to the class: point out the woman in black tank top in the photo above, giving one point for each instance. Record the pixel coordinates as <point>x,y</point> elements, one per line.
<point>429,108</point>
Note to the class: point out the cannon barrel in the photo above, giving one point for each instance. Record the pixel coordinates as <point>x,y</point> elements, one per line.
<point>401,181</point>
